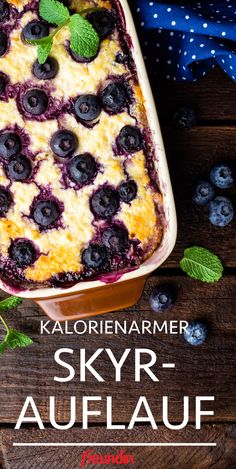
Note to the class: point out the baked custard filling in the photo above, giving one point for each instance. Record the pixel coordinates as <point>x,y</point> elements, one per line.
<point>78,195</point>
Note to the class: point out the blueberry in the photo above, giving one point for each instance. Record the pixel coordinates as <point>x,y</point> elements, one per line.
<point>46,212</point>
<point>3,83</point>
<point>185,118</point>
<point>128,191</point>
<point>94,256</point>
<point>161,298</point>
<point>19,168</point>
<point>115,238</point>
<point>35,30</point>
<point>4,11</point>
<point>203,193</point>
<point>10,145</point>
<point>82,168</point>
<point>80,59</point>
<point>195,333</point>
<point>35,101</point>
<point>87,107</point>
<point>5,201</point>
<point>105,202</point>
<point>129,139</point>
<point>122,58</point>
<point>3,43</point>
<point>23,252</point>
<point>220,211</point>
<point>222,176</point>
<point>114,98</point>
<point>46,71</point>
<point>64,143</point>
<point>102,21</point>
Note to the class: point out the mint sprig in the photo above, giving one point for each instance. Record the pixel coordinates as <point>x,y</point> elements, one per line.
<point>201,264</point>
<point>84,39</point>
<point>13,338</point>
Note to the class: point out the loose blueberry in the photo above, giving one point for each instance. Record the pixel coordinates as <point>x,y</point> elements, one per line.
<point>203,193</point>
<point>220,211</point>
<point>5,201</point>
<point>116,239</point>
<point>87,107</point>
<point>46,212</point>
<point>114,98</point>
<point>35,30</point>
<point>105,202</point>
<point>82,168</point>
<point>64,143</point>
<point>35,102</point>
<point>3,43</point>
<point>102,21</point>
<point>19,168</point>
<point>10,145</point>
<point>23,252</point>
<point>46,71</point>
<point>80,59</point>
<point>2,84</point>
<point>185,118</point>
<point>94,256</point>
<point>195,333</point>
<point>128,191</point>
<point>4,11</point>
<point>222,176</point>
<point>129,139</point>
<point>161,298</point>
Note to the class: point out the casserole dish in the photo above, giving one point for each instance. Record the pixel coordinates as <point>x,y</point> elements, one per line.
<point>118,289</point>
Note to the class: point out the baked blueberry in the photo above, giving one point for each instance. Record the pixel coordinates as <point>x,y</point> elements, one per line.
<point>87,107</point>
<point>195,333</point>
<point>222,176</point>
<point>105,202</point>
<point>102,21</point>
<point>46,212</point>
<point>114,98</point>
<point>203,193</point>
<point>46,71</point>
<point>35,30</point>
<point>128,191</point>
<point>82,168</point>
<point>80,59</point>
<point>23,252</point>
<point>19,168</point>
<point>35,101</point>
<point>115,238</point>
<point>3,83</point>
<point>220,211</point>
<point>10,145</point>
<point>122,58</point>
<point>161,298</point>
<point>4,11</point>
<point>185,118</point>
<point>3,43</point>
<point>94,256</point>
<point>129,139</point>
<point>64,143</point>
<point>5,201</point>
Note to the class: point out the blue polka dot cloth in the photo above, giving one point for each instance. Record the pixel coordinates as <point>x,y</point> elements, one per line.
<point>187,39</point>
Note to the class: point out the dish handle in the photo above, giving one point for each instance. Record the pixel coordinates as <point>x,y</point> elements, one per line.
<point>92,302</point>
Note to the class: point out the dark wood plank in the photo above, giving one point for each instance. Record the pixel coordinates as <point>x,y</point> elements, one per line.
<point>222,456</point>
<point>206,370</point>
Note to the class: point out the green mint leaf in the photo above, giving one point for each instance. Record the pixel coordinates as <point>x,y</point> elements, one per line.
<point>10,302</point>
<point>201,264</point>
<point>14,339</point>
<point>84,39</point>
<point>53,11</point>
<point>43,51</point>
<point>41,41</point>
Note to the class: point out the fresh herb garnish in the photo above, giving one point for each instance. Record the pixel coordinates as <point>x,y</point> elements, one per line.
<point>12,339</point>
<point>84,39</point>
<point>201,264</point>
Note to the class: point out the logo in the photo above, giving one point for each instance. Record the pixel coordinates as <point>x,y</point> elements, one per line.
<point>89,457</point>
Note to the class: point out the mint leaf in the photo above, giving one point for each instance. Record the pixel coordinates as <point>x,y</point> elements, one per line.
<point>84,39</point>
<point>53,11</point>
<point>201,264</point>
<point>14,339</point>
<point>43,51</point>
<point>10,302</point>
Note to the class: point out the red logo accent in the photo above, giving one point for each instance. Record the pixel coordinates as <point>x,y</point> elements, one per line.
<point>89,457</point>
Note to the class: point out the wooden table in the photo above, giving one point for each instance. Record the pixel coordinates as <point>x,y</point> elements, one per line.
<point>207,370</point>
